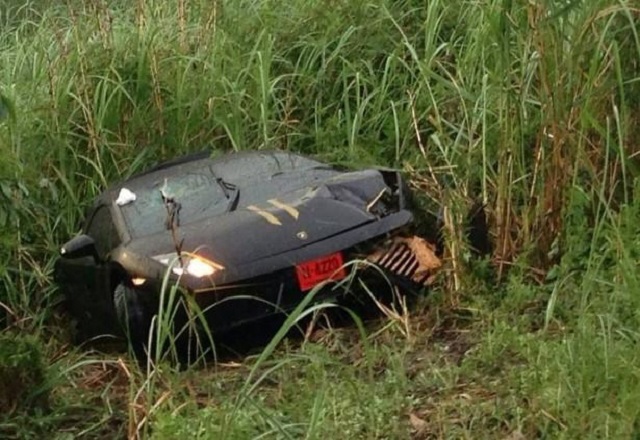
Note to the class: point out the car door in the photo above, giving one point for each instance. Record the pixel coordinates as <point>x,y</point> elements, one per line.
<point>86,281</point>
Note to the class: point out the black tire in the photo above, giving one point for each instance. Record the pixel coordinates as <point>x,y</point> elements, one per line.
<point>134,317</point>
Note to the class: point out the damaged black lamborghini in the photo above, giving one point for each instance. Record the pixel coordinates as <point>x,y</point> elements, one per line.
<point>267,227</point>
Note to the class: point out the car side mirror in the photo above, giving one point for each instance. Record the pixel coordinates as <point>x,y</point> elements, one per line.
<point>80,246</point>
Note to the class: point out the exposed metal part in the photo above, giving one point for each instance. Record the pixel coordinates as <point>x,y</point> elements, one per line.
<point>409,257</point>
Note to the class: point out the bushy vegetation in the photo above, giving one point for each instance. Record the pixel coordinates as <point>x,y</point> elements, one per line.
<point>22,374</point>
<point>530,107</point>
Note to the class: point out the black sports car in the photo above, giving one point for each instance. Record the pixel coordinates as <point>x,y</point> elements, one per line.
<point>267,227</point>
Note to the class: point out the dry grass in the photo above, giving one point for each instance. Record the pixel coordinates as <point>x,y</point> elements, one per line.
<point>529,109</point>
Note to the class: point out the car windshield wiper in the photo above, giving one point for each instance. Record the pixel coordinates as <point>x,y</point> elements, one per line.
<point>230,191</point>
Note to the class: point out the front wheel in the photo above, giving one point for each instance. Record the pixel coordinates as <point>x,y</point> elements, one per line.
<point>134,317</point>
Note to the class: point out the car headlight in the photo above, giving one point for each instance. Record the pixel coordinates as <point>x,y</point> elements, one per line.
<point>189,263</point>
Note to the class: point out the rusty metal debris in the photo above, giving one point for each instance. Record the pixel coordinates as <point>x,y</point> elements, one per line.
<point>409,257</point>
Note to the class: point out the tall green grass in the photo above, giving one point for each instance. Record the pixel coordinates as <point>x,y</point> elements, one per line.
<point>529,107</point>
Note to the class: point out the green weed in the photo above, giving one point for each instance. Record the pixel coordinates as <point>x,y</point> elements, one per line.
<point>527,107</point>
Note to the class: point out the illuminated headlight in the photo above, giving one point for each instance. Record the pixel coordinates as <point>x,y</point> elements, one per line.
<point>189,263</point>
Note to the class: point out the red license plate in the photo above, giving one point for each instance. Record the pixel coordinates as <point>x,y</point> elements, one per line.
<point>312,273</point>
